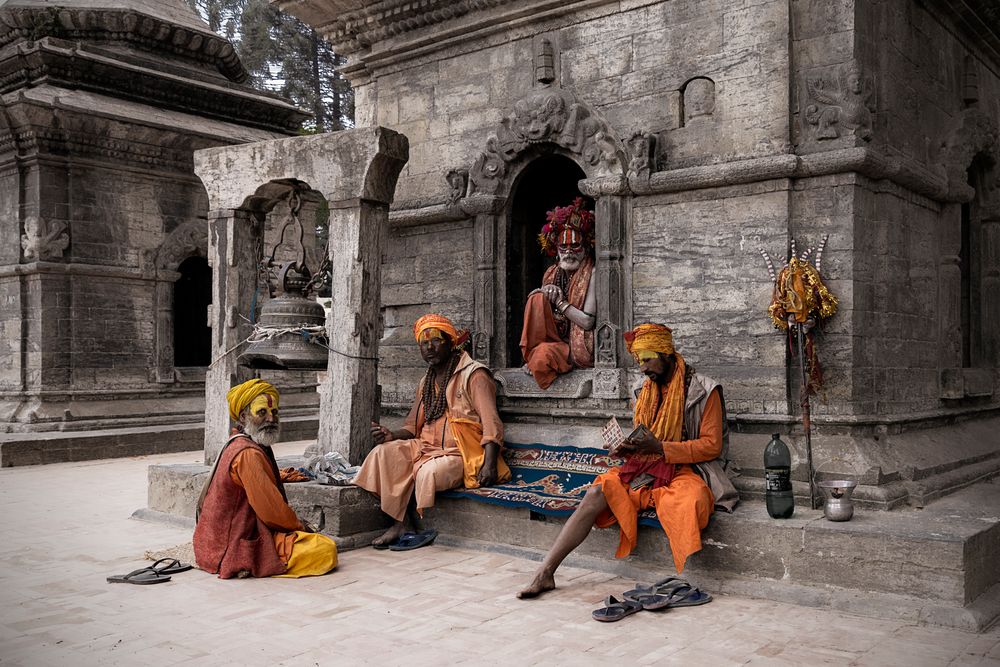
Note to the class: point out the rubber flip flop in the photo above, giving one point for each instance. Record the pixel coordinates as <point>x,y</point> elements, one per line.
<point>615,609</point>
<point>690,597</point>
<point>143,576</point>
<point>411,541</point>
<point>170,566</point>
<point>641,590</point>
<point>663,595</point>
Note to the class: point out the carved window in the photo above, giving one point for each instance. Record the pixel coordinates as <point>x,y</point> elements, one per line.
<point>192,297</point>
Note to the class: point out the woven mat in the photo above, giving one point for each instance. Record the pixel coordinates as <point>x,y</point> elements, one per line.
<point>182,552</point>
<point>548,479</point>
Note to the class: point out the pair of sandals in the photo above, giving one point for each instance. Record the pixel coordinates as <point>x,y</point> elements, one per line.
<point>664,594</point>
<point>409,541</point>
<point>157,573</point>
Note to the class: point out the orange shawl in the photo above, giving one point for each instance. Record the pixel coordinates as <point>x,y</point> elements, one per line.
<point>581,343</point>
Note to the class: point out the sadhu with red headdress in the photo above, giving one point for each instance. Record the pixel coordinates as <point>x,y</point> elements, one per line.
<point>559,317</point>
<point>674,466</point>
<point>451,437</point>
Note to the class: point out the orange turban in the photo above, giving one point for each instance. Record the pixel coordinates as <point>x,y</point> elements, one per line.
<point>433,321</point>
<point>650,338</point>
<point>242,395</point>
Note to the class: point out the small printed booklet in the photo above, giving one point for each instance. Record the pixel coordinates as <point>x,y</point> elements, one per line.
<point>614,437</point>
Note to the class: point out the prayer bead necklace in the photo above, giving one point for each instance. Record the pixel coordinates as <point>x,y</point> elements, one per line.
<point>434,398</point>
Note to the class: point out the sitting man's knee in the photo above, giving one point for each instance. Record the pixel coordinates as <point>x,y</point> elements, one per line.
<point>594,497</point>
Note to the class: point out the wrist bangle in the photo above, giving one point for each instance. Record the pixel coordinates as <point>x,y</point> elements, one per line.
<point>562,306</point>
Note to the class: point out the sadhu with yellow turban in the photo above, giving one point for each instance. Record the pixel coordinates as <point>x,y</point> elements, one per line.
<point>683,416</point>
<point>242,395</point>
<point>245,526</point>
<point>451,437</point>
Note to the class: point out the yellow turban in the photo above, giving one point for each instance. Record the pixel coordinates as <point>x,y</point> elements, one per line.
<point>433,321</point>
<point>242,395</point>
<point>650,338</point>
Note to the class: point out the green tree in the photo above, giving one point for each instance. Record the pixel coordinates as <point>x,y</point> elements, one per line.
<point>282,54</point>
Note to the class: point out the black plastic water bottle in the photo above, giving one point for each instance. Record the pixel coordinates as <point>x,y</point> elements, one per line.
<point>778,479</point>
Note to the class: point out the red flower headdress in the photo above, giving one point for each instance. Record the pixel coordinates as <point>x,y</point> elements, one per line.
<point>572,220</point>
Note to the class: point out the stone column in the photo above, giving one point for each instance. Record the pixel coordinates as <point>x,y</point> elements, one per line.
<point>990,305</point>
<point>233,253</point>
<point>949,307</point>
<point>484,232</point>
<point>349,393</point>
<point>612,318</point>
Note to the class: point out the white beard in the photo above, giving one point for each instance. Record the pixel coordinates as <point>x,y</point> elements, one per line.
<point>570,263</point>
<point>263,435</point>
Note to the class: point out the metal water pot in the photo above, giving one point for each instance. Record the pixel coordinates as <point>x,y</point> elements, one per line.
<point>838,505</point>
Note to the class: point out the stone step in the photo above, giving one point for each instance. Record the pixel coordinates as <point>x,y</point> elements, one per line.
<point>934,565</point>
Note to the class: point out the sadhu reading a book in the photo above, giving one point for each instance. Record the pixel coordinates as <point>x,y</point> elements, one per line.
<point>673,463</point>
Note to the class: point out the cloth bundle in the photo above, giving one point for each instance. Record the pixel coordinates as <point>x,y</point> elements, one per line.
<point>331,469</point>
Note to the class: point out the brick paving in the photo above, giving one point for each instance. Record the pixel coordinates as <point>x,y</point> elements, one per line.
<point>66,527</point>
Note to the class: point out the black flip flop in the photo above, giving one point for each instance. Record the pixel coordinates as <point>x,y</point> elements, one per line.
<point>142,576</point>
<point>170,566</point>
<point>410,541</point>
<point>385,545</point>
<point>615,609</point>
<point>682,594</point>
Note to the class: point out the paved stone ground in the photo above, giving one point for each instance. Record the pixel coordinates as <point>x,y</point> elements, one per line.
<point>65,527</point>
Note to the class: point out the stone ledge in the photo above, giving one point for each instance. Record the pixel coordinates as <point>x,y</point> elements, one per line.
<point>25,449</point>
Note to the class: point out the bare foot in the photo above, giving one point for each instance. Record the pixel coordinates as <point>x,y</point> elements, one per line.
<point>542,582</point>
<point>389,536</point>
<point>527,371</point>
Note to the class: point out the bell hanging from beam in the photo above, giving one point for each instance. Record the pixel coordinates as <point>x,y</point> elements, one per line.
<point>291,333</point>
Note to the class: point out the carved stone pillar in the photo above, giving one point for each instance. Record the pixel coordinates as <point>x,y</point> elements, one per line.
<point>613,316</point>
<point>485,326</point>
<point>990,305</point>
<point>348,395</point>
<point>233,253</point>
<point>949,308</point>
<point>164,348</point>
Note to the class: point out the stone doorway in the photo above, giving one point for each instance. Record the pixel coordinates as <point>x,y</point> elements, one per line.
<point>192,297</point>
<point>547,182</point>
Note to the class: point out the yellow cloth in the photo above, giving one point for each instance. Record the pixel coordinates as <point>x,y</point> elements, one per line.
<point>650,338</point>
<point>661,409</point>
<point>434,321</point>
<point>312,555</point>
<point>242,395</point>
<point>468,436</point>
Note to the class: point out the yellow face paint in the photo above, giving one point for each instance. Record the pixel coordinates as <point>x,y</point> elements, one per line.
<point>645,355</point>
<point>264,402</point>
<point>431,334</point>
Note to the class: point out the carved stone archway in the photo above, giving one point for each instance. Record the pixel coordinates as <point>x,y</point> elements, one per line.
<point>555,119</point>
<point>189,239</point>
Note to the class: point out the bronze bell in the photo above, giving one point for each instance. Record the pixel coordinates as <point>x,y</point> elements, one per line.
<point>291,334</point>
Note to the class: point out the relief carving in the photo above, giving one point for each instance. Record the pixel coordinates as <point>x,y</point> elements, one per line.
<point>546,115</point>
<point>188,240</point>
<point>481,347</point>
<point>607,349</point>
<point>842,106</point>
<point>699,99</point>
<point>641,147</point>
<point>975,132</point>
<point>458,181</point>
<point>43,240</point>
<point>607,383</point>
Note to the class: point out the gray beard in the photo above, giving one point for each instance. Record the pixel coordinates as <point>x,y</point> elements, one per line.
<point>265,435</point>
<point>570,264</point>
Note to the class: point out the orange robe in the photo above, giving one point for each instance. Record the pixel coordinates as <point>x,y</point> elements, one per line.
<point>432,461</point>
<point>545,352</point>
<point>251,470</point>
<point>683,507</point>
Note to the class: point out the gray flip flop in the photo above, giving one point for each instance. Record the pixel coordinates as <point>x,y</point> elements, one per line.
<point>615,609</point>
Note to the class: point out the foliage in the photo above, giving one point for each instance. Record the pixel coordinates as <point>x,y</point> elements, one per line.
<point>284,55</point>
